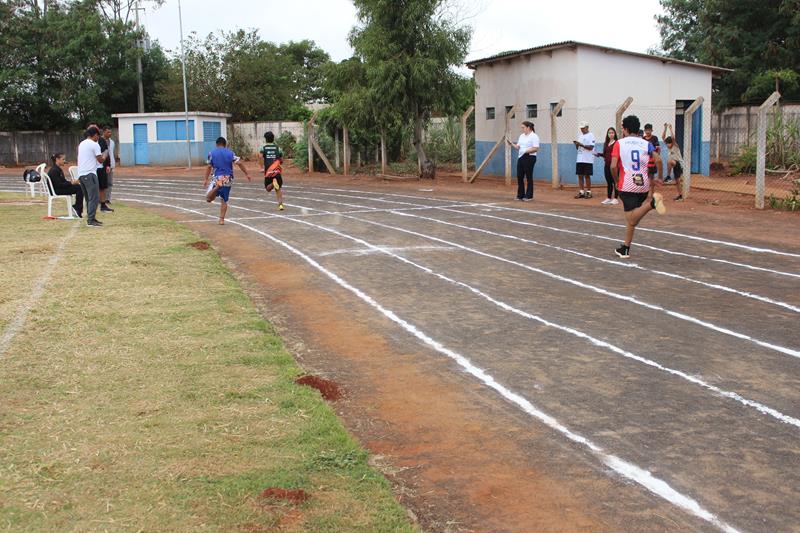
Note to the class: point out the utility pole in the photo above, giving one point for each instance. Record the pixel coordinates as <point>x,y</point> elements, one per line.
<point>139,61</point>
<point>185,92</point>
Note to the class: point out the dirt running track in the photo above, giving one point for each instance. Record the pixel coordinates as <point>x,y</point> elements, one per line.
<point>509,373</point>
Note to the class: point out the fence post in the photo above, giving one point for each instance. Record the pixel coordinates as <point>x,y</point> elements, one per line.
<point>761,160</point>
<point>509,114</point>
<point>555,179</point>
<point>620,110</point>
<point>346,150</point>
<point>310,142</point>
<point>464,162</point>
<point>16,148</point>
<point>687,142</point>
<point>383,152</point>
<point>336,147</point>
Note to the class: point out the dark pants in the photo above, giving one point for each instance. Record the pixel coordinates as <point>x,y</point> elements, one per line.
<point>525,166</point>
<point>70,190</point>
<point>91,191</point>
<point>611,187</point>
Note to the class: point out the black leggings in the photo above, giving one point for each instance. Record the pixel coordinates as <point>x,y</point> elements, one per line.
<point>611,187</point>
<point>525,166</point>
<point>77,190</point>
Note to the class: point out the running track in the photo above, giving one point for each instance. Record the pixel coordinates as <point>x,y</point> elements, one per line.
<point>677,372</point>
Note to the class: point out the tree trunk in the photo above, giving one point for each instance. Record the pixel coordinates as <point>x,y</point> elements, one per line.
<point>427,168</point>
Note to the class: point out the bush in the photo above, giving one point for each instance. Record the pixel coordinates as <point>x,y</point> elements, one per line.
<point>287,143</point>
<point>790,203</point>
<point>782,150</point>
<point>325,141</point>
<point>444,142</point>
<point>745,162</point>
<point>238,144</point>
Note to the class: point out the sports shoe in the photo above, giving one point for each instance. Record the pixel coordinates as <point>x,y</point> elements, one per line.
<point>520,199</point>
<point>94,224</point>
<point>679,198</point>
<point>526,199</point>
<point>580,195</point>
<point>105,208</point>
<point>658,203</point>
<point>668,179</point>
<point>607,201</point>
<point>623,251</point>
<point>614,201</point>
<point>280,207</point>
<point>588,194</point>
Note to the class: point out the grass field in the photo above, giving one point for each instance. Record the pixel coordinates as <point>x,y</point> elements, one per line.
<point>145,392</point>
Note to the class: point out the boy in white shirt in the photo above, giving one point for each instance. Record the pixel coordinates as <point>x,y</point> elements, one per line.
<point>585,163</point>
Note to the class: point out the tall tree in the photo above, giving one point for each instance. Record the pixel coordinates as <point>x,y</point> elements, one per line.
<point>409,49</point>
<point>754,37</point>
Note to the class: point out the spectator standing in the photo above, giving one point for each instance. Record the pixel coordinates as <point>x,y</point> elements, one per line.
<point>102,175</point>
<point>611,186</point>
<point>585,161</point>
<point>527,146</point>
<point>111,162</point>
<point>64,187</point>
<point>674,162</point>
<point>652,139</point>
<point>89,157</point>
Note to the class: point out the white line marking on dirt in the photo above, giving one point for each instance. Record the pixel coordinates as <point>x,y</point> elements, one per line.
<point>624,468</point>
<point>377,249</point>
<point>16,325</point>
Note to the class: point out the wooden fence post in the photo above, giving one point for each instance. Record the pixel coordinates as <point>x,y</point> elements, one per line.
<point>383,152</point>
<point>337,162</point>
<point>687,143</point>
<point>488,158</point>
<point>464,161</point>
<point>555,178</point>
<point>310,142</point>
<point>509,114</point>
<point>620,110</point>
<point>761,157</point>
<point>346,151</point>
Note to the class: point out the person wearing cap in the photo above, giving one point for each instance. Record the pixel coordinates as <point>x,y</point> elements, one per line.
<point>585,162</point>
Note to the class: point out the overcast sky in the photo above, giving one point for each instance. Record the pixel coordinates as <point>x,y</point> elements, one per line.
<point>498,25</point>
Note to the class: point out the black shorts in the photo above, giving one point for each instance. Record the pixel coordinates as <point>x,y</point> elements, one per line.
<point>584,169</point>
<point>677,171</point>
<point>268,181</point>
<point>102,178</point>
<point>632,200</point>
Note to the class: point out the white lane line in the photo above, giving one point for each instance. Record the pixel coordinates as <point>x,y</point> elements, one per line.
<point>580,219</point>
<point>619,264</point>
<point>622,467</point>
<point>377,249</point>
<point>599,290</point>
<point>762,408</point>
<point>602,237</point>
<point>16,325</point>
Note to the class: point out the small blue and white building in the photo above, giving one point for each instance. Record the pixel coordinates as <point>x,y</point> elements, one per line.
<point>593,80</point>
<point>161,138</point>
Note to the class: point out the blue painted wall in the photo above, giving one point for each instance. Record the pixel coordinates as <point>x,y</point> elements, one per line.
<point>567,156</point>
<point>168,153</point>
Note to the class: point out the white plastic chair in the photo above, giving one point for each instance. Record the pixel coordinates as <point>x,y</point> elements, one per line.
<point>32,185</point>
<point>73,172</point>
<point>53,197</point>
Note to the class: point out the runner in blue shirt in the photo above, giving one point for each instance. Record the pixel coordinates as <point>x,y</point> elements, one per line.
<point>221,161</point>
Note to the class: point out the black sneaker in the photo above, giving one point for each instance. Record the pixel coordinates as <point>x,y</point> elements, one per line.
<point>520,199</point>
<point>588,194</point>
<point>94,223</point>
<point>104,208</point>
<point>623,251</point>
<point>580,195</point>
<point>528,199</point>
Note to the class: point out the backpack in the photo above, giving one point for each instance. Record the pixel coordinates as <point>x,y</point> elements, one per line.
<point>31,176</point>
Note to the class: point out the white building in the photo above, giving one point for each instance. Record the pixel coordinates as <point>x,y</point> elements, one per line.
<point>593,80</point>
<point>160,138</point>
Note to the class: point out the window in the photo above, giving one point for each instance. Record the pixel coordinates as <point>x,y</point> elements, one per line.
<point>489,113</point>
<point>173,130</point>
<point>211,131</point>
<point>553,105</point>
<point>531,111</point>
<point>509,108</point>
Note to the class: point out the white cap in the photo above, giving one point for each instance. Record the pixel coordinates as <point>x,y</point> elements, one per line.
<point>583,124</point>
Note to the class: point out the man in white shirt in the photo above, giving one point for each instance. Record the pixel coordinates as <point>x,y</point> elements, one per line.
<point>585,164</point>
<point>89,156</point>
<point>111,162</point>
<point>527,147</point>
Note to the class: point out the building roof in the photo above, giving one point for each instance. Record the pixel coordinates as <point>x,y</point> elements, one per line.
<point>171,114</point>
<point>513,54</point>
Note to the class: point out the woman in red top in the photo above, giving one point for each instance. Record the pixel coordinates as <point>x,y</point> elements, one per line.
<point>611,187</point>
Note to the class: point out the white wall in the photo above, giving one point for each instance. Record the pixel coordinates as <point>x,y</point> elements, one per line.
<point>125,128</point>
<point>534,79</point>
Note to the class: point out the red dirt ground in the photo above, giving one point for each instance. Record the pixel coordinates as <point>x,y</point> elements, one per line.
<point>329,390</point>
<point>294,496</point>
<point>199,245</point>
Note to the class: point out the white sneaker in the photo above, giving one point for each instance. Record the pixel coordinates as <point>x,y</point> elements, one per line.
<point>607,201</point>
<point>614,201</point>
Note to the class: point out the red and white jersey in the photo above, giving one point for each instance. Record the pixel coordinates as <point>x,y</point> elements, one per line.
<point>633,154</point>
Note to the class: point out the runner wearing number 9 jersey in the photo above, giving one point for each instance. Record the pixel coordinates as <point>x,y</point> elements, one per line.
<point>629,161</point>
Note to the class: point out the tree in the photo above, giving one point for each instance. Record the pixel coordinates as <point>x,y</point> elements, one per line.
<point>752,37</point>
<point>122,10</point>
<point>409,49</point>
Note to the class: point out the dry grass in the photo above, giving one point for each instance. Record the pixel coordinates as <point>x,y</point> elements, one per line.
<point>146,393</point>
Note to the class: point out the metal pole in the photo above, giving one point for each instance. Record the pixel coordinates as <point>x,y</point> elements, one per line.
<point>185,92</point>
<point>139,61</point>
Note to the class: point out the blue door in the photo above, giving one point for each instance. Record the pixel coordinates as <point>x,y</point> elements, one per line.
<point>696,143</point>
<point>140,156</point>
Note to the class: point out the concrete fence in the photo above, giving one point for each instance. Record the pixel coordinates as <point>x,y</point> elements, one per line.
<point>737,126</point>
<point>253,132</point>
<point>34,147</point>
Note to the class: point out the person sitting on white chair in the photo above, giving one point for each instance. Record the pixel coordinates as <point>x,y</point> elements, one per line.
<point>63,186</point>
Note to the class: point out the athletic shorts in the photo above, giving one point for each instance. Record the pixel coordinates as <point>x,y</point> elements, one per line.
<point>268,181</point>
<point>102,178</point>
<point>632,200</point>
<point>584,169</point>
<point>677,171</point>
<point>223,192</point>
